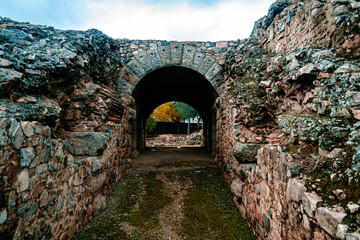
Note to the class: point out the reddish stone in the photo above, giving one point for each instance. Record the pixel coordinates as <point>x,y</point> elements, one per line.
<point>323,153</point>
<point>306,150</point>
<point>37,189</point>
<point>323,75</point>
<point>10,171</point>
<point>356,113</point>
<point>308,96</point>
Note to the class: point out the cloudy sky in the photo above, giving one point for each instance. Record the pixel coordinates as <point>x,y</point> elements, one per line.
<point>200,20</point>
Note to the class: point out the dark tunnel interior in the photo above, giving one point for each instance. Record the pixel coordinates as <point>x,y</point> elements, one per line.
<point>174,84</point>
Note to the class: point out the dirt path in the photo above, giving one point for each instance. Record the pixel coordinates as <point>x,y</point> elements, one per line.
<point>170,194</point>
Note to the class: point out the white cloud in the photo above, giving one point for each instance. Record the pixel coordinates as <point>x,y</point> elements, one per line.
<point>225,20</point>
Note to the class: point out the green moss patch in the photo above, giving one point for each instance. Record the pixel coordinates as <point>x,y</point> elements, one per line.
<point>108,224</point>
<point>209,211</point>
<point>153,200</point>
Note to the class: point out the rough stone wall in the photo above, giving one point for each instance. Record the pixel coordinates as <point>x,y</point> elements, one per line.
<point>279,206</point>
<point>293,91</point>
<point>51,186</point>
<point>291,24</point>
<point>65,129</point>
<point>54,177</point>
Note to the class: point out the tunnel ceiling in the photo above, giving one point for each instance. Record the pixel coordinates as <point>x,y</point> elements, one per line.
<point>174,84</point>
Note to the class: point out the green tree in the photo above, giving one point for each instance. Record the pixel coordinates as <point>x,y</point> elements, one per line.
<point>185,110</point>
<point>151,124</point>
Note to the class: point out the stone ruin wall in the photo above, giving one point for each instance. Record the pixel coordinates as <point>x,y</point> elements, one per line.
<point>297,91</point>
<point>67,122</point>
<point>65,130</point>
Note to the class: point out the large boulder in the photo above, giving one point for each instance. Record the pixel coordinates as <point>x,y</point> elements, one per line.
<point>86,143</point>
<point>329,220</point>
<point>246,152</point>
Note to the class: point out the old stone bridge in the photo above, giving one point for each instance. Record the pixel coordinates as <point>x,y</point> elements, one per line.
<point>280,112</point>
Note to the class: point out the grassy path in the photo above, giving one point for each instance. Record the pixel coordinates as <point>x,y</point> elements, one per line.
<point>170,194</point>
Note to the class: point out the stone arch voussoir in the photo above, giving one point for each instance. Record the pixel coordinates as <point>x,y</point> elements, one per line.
<point>174,54</point>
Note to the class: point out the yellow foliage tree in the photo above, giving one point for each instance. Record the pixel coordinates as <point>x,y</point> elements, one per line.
<point>167,113</point>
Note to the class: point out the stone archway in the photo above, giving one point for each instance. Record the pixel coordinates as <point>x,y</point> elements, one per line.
<point>172,73</point>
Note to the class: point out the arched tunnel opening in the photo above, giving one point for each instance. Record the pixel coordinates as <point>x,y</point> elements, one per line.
<point>174,124</point>
<point>175,83</point>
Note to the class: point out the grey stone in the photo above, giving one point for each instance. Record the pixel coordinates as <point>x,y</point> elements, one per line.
<point>46,153</point>
<point>341,231</point>
<point>28,128</point>
<point>96,164</point>
<point>198,59</point>
<point>44,198</point>
<point>246,152</point>
<point>355,5</point>
<point>308,69</point>
<point>340,10</point>
<point>15,133</point>
<point>38,128</point>
<point>3,216</point>
<point>329,220</point>
<point>127,74</point>
<point>295,190</point>
<point>12,199</point>
<point>87,143</point>
<point>25,196</point>
<point>154,58</point>
<point>176,53</point>
<point>322,54</point>
<point>335,153</point>
<point>87,90</point>
<point>214,70</point>
<point>5,62</point>
<point>144,60</point>
<point>353,236</point>
<point>23,181</point>
<point>206,65</point>
<point>188,56</point>
<point>310,201</point>
<point>42,109</point>
<point>9,75</point>
<point>136,68</point>
<point>237,187</point>
<point>165,57</point>
<point>266,222</point>
<point>59,205</point>
<point>131,114</point>
<point>3,137</point>
<point>294,169</point>
<point>260,231</point>
<point>99,203</point>
<point>23,209</point>
<point>347,68</point>
<point>124,86</point>
<point>42,168</point>
<point>306,223</point>
<point>97,182</point>
<point>352,207</point>
<point>275,9</point>
<point>26,156</point>
<point>31,212</point>
<point>325,65</point>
